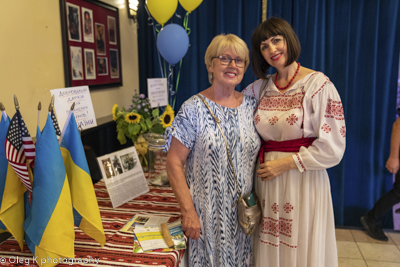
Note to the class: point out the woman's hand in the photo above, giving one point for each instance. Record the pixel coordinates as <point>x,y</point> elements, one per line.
<point>191,225</point>
<point>392,164</point>
<point>271,169</point>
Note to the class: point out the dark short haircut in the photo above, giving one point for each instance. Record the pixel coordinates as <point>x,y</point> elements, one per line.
<point>267,29</point>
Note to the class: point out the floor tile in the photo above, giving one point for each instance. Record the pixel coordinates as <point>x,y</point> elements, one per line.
<point>343,262</point>
<point>344,235</point>
<point>381,264</point>
<point>395,236</point>
<point>379,252</point>
<point>362,236</point>
<point>348,249</point>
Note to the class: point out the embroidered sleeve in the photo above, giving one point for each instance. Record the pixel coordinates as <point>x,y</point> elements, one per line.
<point>323,118</point>
<point>253,89</point>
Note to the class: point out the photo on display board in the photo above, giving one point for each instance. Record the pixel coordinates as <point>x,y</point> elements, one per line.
<point>108,168</point>
<point>117,165</point>
<point>100,39</point>
<point>90,66</point>
<point>76,63</point>
<point>73,21</point>
<point>111,30</point>
<point>128,161</point>
<point>114,70</point>
<point>87,20</point>
<point>102,67</point>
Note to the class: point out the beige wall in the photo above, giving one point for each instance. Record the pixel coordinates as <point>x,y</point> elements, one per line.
<point>31,59</point>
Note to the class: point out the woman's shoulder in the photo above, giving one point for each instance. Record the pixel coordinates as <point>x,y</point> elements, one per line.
<point>254,88</point>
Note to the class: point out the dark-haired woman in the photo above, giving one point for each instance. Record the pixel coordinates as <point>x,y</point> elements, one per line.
<point>301,122</point>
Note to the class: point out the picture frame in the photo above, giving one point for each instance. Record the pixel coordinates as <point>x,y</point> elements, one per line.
<point>91,44</point>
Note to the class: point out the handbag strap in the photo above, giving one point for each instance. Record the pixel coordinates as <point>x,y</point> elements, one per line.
<point>227,147</point>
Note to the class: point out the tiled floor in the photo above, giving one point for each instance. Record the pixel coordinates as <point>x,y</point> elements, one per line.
<point>357,249</point>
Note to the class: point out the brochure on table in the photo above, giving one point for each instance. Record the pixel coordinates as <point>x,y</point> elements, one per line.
<point>148,234</point>
<point>123,175</point>
<point>83,111</point>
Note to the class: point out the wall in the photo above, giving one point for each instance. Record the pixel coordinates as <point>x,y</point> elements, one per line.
<point>31,62</point>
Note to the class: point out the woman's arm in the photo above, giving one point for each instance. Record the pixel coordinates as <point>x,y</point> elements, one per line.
<point>392,164</point>
<point>270,169</point>
<point>176,158</point>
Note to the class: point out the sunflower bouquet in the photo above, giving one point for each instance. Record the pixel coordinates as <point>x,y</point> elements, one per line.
<point>139,119</point>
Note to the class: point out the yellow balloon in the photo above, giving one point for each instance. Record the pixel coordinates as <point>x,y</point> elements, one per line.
<point>162,10</point>
<point>190,5</point>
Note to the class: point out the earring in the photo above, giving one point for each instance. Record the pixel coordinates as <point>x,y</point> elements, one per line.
<point>210,76</point>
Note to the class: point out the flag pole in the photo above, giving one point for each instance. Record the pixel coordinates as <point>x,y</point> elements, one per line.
<point>38,115</point>
<point>3,111</point>
<point>16,102</point>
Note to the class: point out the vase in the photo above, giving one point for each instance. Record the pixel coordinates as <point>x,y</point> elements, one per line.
<point>156,154</point>
<point>141,148</point>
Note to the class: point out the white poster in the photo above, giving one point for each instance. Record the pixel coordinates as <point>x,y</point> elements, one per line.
<point>123,175</point>
<point>158,92</point>
<point>83,110</point>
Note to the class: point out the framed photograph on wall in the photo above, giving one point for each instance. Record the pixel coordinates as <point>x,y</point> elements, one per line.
<point>90,66</point>
<point>87,25</point>
<point>91,44</point>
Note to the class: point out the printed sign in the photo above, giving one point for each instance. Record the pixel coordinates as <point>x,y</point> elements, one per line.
<point>157,92</point>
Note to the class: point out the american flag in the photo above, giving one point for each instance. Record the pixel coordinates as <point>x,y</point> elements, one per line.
<point>55,124</point>
<point>19,148</point>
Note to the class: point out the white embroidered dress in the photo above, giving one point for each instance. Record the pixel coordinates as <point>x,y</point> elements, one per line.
<point>298,227</point>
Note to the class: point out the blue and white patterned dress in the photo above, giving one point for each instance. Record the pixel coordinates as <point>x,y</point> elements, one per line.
<point>210,178</point>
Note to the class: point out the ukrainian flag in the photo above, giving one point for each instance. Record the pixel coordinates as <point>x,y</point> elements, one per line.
<point>11,192</point>
<point>50,225</point>
<point>86,210</point>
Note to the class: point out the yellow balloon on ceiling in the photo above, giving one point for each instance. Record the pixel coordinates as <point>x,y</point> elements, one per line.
<point>190,5</point>
<point>162,10</point>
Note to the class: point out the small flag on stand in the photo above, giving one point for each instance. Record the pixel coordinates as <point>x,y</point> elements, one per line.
<point>19,149</point>
<point>11,191</point>
<point>50,224</point>
<point>86,210</point>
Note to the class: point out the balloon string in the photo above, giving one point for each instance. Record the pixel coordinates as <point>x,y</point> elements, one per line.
<point>170,86</point>
<point>150,18</point>
<point>177,82</point>
<point>186,22</point>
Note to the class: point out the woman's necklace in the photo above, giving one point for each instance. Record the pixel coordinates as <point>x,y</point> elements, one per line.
<point>291,80</point>
<point>237,103</point>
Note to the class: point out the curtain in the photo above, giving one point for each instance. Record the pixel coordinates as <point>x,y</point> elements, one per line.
<point>355,43</point>
<point>211,18</point>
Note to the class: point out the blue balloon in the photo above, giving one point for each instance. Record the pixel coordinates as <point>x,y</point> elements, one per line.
<point>172,43</point>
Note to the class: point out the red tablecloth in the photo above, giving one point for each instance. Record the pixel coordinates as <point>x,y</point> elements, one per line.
<point>118,248</point>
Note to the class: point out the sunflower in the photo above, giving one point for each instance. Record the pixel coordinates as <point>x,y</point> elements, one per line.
<point>169,108</point>
<point>167,117</point>
<point>132,117</point>
<point>114,112</point>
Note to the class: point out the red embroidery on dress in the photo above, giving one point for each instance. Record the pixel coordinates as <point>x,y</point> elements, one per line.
<point>281,102</point>
<point>257,119</point>
<point>287,208</point>
<point>334,109</point>
<point>283,226</point>
<point>319,89</point>
<point>292,119</point>
<point>277,245</point>
<point>325,127</point>
<point>273,120</point>
<point>275,208</point>
<point>343,131</point>
<point>263,203</point>
<point>301,163</point>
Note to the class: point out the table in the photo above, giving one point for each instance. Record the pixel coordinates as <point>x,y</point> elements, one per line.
<point>118,249</point>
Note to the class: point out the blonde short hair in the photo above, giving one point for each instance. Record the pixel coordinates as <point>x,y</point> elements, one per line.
<point>220,44</point>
